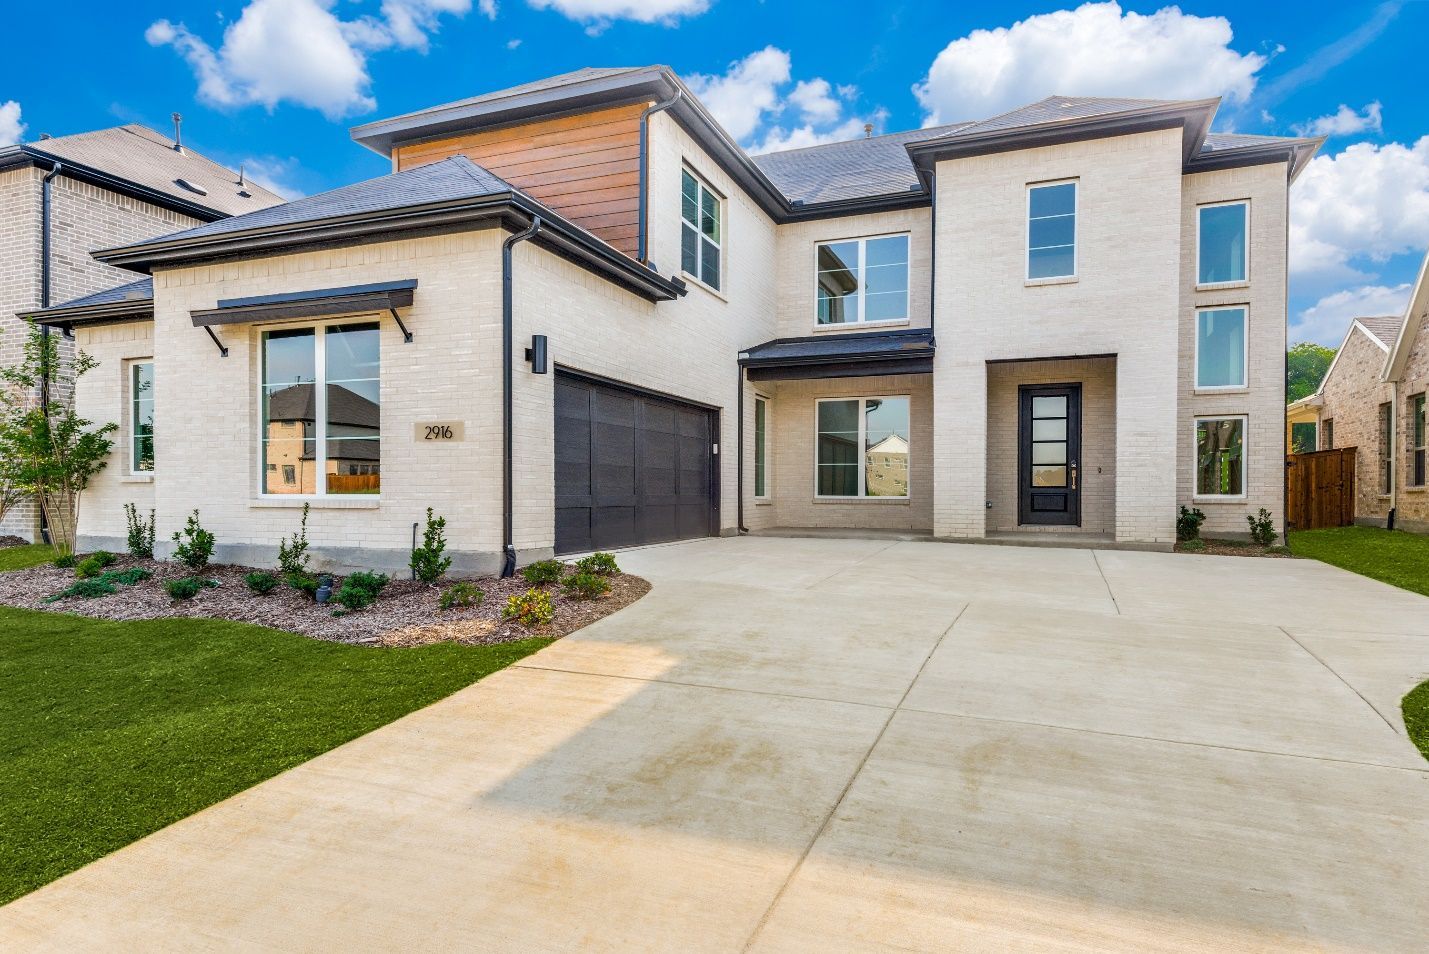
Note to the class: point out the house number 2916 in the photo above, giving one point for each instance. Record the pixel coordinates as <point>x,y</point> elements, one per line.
<point>439,431</point>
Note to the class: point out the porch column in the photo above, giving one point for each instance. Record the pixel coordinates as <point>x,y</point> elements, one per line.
<point>959,446</point>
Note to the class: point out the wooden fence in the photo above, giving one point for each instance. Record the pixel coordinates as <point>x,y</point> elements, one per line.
<point>1320,489</point>
<point>353,483</point>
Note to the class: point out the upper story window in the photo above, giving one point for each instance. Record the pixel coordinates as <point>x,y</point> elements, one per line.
<point>1220,348</point>
<point>141,417</point>
<point>1052,231</point>
<point>322,413</point>
<point>1222,249</point>
<point>701,214</point>
<point>862,280</point>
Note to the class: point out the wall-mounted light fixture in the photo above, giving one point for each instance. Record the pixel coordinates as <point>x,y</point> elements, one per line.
<point>536,354</point>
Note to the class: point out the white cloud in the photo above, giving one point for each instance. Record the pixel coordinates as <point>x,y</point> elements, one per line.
<point>298,51</point>
<point>740,97</point>
<point>1326,321</point>
<point>1345,122</point>
<point>11,129</point>
<point>1094,50</point>
<point>815,101</point>
<point>599,13</point>
<point>513,43</point>
<point>273,174</point>
<point>487,8</point>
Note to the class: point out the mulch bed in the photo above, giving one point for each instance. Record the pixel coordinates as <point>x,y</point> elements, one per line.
<point>13,541</point>
<point>406,614</point>
<point>1237,548</point>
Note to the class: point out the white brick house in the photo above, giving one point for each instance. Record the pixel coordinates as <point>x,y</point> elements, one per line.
<point>1058,324</point>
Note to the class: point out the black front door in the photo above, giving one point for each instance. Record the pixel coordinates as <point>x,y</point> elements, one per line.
<point>1049,441</point>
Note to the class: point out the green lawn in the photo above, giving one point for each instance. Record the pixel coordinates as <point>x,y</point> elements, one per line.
<point>1394,557</point>
<point>22,558</point>
<point>1416,716</point>
<point>114,730</point>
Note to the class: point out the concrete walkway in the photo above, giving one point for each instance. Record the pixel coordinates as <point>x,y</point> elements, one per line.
<point>831,745</point>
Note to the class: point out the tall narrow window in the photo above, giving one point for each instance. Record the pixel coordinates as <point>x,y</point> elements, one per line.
<point>1220,348</point>
<point>862,280</point>
<point>1386,448</point>
<point>700,245</point>
<point>321,410</point>
<point>141,417</point>
<point>1222,250</point>
<point>1052,231</point>
<point>1327,434</point>
<point>1220,457</point>
<point>1416,440</point>
<point>863,447</point>
<point>761,447</point>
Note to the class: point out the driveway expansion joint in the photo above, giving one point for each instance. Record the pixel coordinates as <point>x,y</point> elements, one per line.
<point>1331,670</point>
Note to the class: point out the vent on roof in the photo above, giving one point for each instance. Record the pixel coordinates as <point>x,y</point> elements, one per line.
<point>186,184</point>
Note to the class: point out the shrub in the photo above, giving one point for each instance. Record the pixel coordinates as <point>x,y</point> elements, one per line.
<point>65,561</point>
<point>532,608</point>
<point>130,577</point>
<point>293,555</point>
<point>1188,524</point>
<point>88,567</point>
<point>544,572</point>
<point>86,589</point>
<point>1262,527</point>
<point>194,545</point>
<point>461,595</point>
<point>141,532</point>
<point>261,582</point>
<point>602,564</point>
<point>183,588</point>
<point>303,583</point>
<point>428,563</point>
<point>586,585</point>
<point>1193,546</point>
<point>360,589</point>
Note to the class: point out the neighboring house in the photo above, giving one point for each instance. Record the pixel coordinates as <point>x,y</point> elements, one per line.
<point>61,198</point>
<point>1373,399</point>
<point>734,342</point>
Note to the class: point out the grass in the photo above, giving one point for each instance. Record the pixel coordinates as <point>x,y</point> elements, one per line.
<point>1395,557</point>
<point>113,730</point>
<point>24,557</point>
<point>1416,716</point>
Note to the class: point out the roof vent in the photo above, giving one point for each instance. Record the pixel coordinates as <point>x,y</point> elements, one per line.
<point>46,136</point>
<point>868,130</point>
<point>186,184</point>
<point>178,132</point>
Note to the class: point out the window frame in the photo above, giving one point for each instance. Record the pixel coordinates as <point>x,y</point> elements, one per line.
<point>862,400</point>
<point>1384,424</point>
<point>761,448</point>
<point>1244,458</point>
<point>132,370</point>
<point>704,186</point>
<point>1327,433</point>
<point>1415,443</point>
<point>863,241</point>
<point>1244,309</point>
<point>1076,183</point>
<point>319,327</point>
<point>1245,255</point>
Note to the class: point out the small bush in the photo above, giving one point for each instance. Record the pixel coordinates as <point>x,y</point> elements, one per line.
<point>586,585</point>
<point>87,568</point>
<point>293,554</point>
<point>65,561</point>
<point>183,588</point>
<point>86,589</point>
<point>130,577</point>
<point>1193,546</point>
<point>601,564</point>
<point>359,590</point>
<point>1262,527</point>
<point>1188,524</point>
<point>460,596</point>
<point>193,546</point>
<point>543,572</point>
<point>303,583</point>
<point>532,608</point>
<point>261,582</point>
<point>141,533</point>
<point>428,564</point>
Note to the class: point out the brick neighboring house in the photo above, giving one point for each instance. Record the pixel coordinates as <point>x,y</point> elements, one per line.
<point>1373,398</point>
<point>676,339</point>
<point>100,188</point>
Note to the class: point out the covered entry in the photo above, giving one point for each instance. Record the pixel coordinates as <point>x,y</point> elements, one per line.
<point>631,466</point>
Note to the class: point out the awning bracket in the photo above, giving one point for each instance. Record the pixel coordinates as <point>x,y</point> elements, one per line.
<point>222,351</point>
<point>406,335</point>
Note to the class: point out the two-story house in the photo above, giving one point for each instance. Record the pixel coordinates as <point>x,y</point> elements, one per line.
<point>578,315</point>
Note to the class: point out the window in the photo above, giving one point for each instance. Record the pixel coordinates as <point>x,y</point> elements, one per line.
<point>1220,348</point>
<point>1052,231</point>
<point>1386,448</point>
<point>761,447</point>
<point>1416,440</point>
<point>700,210</point>
<point>861,280</point>
<point>1327,434</point>
<point>1220,457</point>
<point>321,405</point>
<point>862,447</point>
<point>141,417</point>
<point>1221,249</point>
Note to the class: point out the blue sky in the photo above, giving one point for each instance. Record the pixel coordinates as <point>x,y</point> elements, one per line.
<point>275,84</point>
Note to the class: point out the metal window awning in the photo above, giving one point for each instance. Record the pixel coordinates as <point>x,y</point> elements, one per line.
<point>905,351</point>
<point>317,303</point>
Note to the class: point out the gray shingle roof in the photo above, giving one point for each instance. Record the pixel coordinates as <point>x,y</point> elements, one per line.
<point>139,155</point>
<point>1384,327</point>
<point>854,169</point>
<point>550,82</point>
<point>817,348</point>
<point>140,291</point>
<point>1056,109</point>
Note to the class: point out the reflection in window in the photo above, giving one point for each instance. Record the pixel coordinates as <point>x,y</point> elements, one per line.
<point>761,447</point>
<point>1220,348</point>
<point>141,417</point>
<point>1220,457</point>
<point>863,447</point>
<point>700,243</point>
<point>1049,441</point>
<point>862,280</point>
<point>1052,231</point>
<point>1221,246</point>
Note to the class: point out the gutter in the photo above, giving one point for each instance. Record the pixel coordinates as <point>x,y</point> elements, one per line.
<point>739,451</point>
<point>46,251</point>
<point>643,238</point>
<point>508,548</point>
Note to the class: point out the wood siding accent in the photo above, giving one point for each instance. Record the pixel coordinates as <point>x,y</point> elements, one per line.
<point>586,167</point>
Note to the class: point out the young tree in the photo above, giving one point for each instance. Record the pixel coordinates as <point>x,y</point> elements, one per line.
<point>1305,366</point>
<point>48,450</point>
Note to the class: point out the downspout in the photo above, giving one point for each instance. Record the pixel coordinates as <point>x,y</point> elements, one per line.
<point>642,240</point>
<point>739,450</point>
<point>45,255</point>
<point>1393,454</point>
<point>508,548</point>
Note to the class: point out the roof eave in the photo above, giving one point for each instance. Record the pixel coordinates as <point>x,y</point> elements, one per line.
<point>84,173</point>
<point>1295,153</point>
<point>138,309</point>
<point>1414,317</point>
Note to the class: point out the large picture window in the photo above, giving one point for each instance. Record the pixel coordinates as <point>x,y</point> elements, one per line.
<point>321,403</point>
<point>862,447</point>
<point>1220,457</point>
<point>1052,231</point>
<point>700,244</point>
<point>1220,348</point>
<point>761,447</point>
<point>1222,251</point>
<point>862,280</point>
<point>141,417</point>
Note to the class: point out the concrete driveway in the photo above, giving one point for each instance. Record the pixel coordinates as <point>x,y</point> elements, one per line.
<point>828,745</point>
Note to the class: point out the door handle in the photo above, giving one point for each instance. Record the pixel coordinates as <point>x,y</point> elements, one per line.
<point>1074,475</point>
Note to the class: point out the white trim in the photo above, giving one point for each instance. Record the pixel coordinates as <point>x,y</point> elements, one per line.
<point>862,267</point>
<point>1244,457</point>
<point>1075,183</point>
<point>1236,283</point>
<point>862,400</point>
<point>1414,314</point>
<point>758,400</point>
<point>703,183</point>
<point>1371,335</point>
<point>1244,351</point>
<point>1420,397</point>
<point>129,367</point>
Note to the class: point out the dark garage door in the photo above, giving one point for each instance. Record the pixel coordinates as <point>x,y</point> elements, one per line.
<point>631,467</point>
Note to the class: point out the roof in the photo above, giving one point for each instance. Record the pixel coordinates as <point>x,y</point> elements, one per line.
<point>1056,109</point>
<point>906,350</point>
<point>138,156</point>
<point>133,301</point>
<point>1382,331</point>
<point>1415,316</point>
<point>1383,328</point>
<point>856,168</point>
